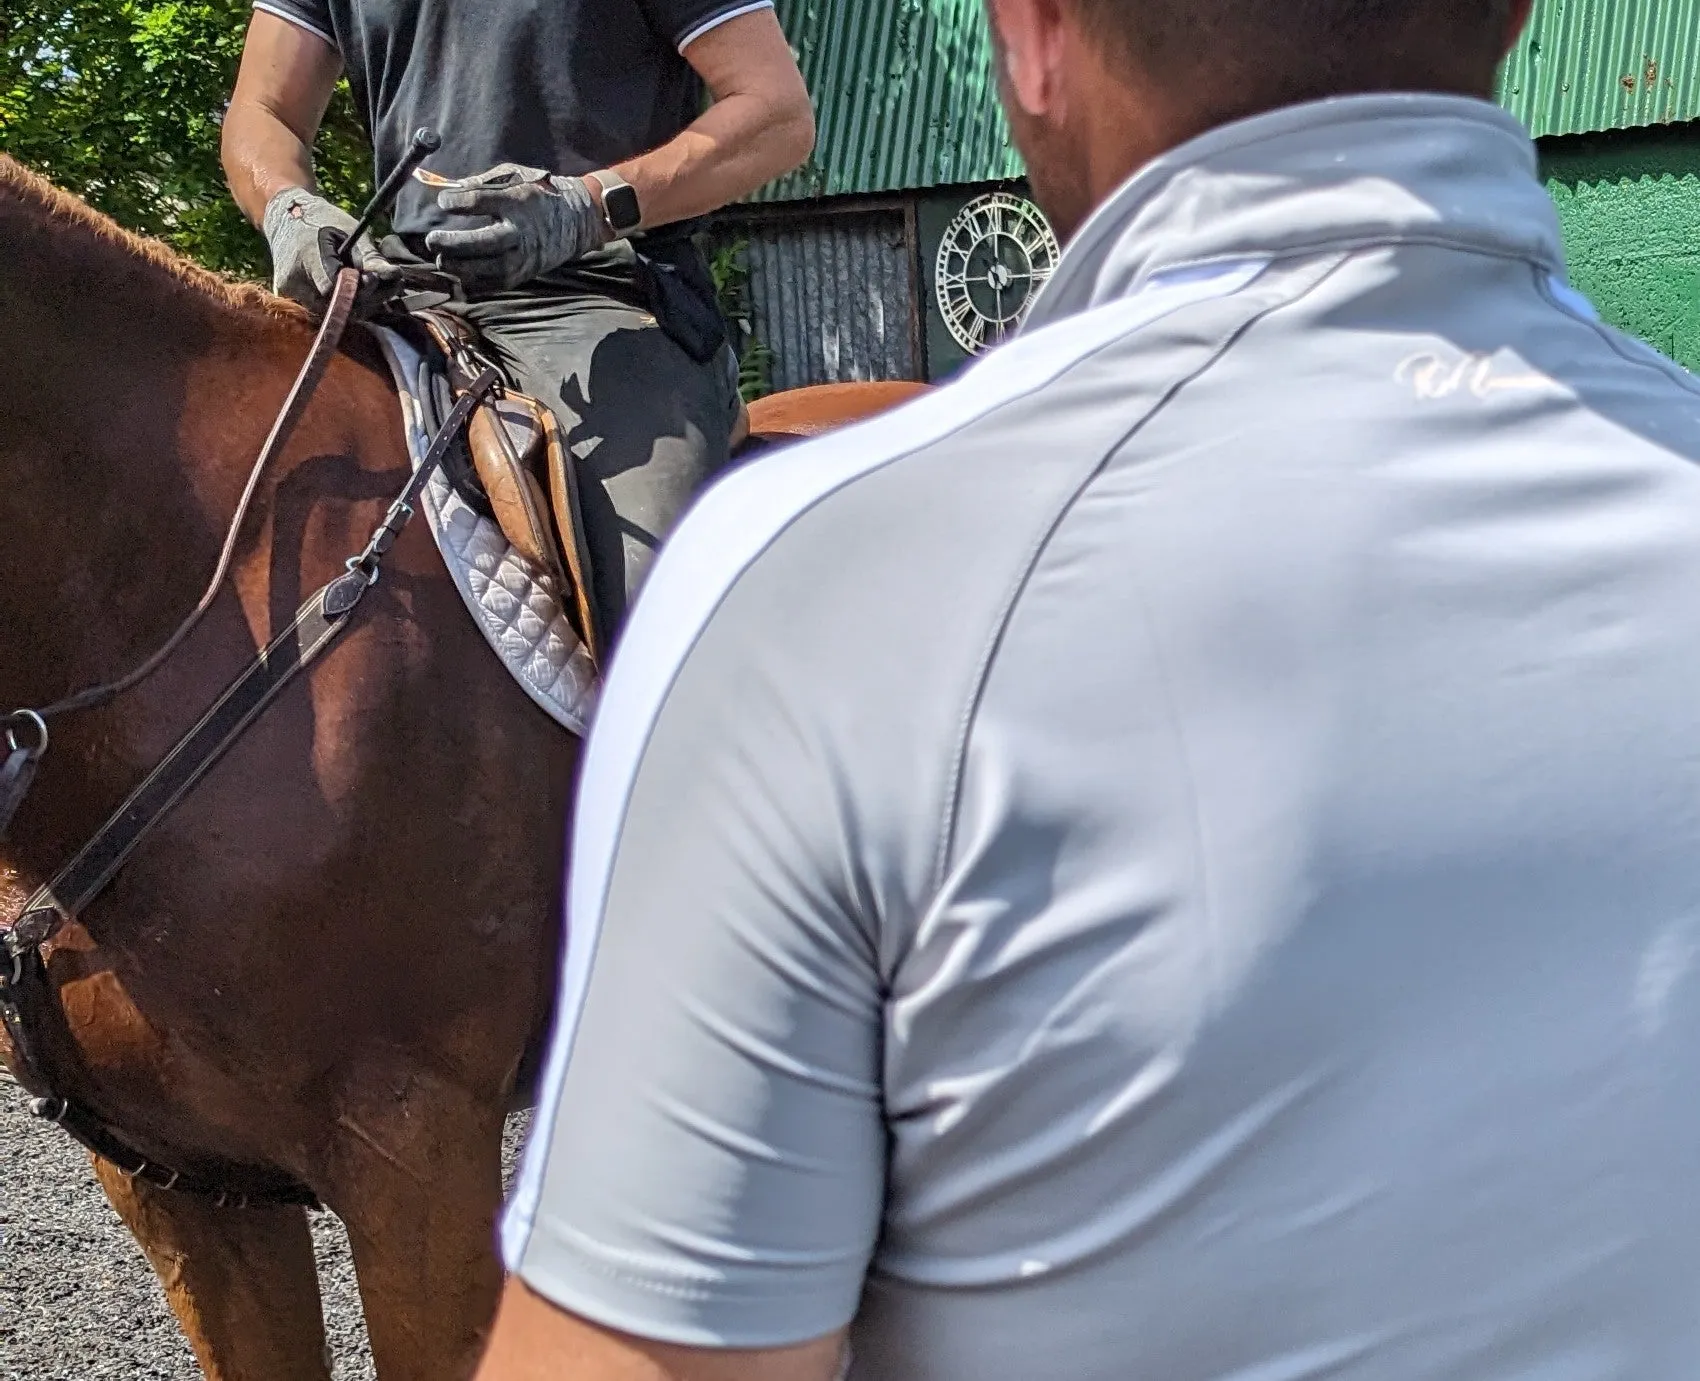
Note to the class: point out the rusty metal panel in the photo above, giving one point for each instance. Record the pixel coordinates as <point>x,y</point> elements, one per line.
<point>834,297</point>
<point>904,96</point>
<point>1588,65</point>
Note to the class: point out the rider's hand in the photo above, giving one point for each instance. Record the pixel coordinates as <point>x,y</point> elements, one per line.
<point>541,222</point>
<point>304,232</point>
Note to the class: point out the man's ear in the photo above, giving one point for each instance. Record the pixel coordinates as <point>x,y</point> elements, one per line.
<point>1029,43</point>
<point>1517,21</point>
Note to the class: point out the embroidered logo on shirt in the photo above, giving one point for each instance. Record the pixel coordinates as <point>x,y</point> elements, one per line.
<point>1433,377</point>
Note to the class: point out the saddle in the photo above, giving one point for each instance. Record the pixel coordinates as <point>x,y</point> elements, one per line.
<point>526,473</point>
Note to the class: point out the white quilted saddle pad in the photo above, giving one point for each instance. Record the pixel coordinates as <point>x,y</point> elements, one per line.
<point>516,606</point>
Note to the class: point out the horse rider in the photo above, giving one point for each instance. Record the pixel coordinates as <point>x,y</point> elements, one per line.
<point>581,152</point>
<point>1212,890</point>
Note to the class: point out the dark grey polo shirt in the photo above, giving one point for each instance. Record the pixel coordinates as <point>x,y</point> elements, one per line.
<point>567,85</point>
<point>1178,855</point>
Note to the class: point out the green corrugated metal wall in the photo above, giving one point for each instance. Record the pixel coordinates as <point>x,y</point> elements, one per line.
<point>906,99</point>
<point>1630,206</point>
<point>904,96</point>
<point>1591,65</point>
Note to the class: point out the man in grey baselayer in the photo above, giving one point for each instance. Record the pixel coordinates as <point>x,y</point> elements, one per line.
<point>581,152</point>
<point>1177,856</point>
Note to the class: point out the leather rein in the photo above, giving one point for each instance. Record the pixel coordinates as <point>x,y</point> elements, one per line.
<point>33,1020</point>
<point>26,736</point>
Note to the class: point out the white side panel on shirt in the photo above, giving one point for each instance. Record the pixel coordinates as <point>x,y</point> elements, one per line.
<point>726,532</point>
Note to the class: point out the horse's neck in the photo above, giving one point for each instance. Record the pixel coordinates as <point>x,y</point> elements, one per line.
<point>126,419</point>
<point>134,398</point>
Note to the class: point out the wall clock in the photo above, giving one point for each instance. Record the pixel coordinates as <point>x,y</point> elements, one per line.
<point>997,252</point>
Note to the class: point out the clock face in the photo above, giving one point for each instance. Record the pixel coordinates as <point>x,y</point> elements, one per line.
<point>996,255</point>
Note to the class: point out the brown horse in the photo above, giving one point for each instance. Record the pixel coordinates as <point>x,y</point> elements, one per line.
<point>332,958</point>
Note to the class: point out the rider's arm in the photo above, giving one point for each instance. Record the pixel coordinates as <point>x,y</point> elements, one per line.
<point>286,81</point>
<point>760,126</point>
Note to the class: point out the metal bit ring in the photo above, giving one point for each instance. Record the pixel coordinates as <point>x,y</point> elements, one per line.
<point>36,744</point>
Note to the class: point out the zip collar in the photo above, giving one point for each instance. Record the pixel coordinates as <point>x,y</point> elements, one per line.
<point>1353,171</point>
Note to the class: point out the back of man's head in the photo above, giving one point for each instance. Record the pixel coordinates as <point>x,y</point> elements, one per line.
<point>1258,54</point>
<point>1095,87</point>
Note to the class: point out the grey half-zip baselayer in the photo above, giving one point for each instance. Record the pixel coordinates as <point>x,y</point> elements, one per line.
<point>1177,856</point>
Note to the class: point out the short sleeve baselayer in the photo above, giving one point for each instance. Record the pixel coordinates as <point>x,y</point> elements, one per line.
<point>567,85</point>
<point>1174,856</point>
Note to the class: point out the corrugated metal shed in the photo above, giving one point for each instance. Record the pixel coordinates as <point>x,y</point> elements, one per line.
<point>835,298</point>
<point>905,95</point>
<point>1589,65</point>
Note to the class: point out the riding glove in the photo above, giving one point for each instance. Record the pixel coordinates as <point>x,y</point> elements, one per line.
<point>542,220</point>
<point>305,232</point>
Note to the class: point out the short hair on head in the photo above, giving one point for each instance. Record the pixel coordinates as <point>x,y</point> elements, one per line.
<point>1264,53</point>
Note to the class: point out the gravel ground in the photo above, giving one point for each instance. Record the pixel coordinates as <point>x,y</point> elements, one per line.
<point>78,1301</point>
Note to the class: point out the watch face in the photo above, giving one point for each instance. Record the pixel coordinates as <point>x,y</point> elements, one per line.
<point>994,258</point>
<point>621,203</point>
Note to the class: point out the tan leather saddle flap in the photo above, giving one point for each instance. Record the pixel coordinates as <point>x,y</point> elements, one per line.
<point>507,453</point>
<point>516,448</point>
<point>527,473</point>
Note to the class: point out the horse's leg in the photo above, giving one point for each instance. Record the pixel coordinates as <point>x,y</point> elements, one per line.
<point>420,1206</point>
<point>241,1281</point>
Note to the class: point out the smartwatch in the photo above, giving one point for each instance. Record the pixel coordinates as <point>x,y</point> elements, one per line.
<point>619,204</point>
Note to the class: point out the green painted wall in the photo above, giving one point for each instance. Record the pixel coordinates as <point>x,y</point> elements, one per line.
<point>1630,205</point>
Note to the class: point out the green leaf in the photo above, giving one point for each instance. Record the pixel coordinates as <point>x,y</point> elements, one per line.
<point>121,103</point>
<point>728,265</point>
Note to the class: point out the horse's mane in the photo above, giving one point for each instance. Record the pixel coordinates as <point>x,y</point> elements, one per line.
<point>51,203</point>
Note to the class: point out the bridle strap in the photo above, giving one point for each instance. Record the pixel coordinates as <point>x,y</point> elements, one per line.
<point>26,994</point>
<point>316,626</point>
<point>97,862</point>
<point>294,406</point>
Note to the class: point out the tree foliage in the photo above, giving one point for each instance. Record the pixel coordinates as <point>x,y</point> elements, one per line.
<point>120,101</point>
<point>728,265</point>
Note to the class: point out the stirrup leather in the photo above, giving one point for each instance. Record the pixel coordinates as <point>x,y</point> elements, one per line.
<point>528,475</point>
